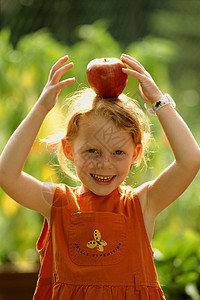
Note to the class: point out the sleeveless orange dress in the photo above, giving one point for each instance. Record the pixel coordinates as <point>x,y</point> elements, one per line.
<point>96,247</point>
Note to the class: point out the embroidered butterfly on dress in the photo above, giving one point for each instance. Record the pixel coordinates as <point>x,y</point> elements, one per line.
<point>97,242</point>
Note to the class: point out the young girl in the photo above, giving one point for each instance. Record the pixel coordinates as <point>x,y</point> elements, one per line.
<point>95,242</point>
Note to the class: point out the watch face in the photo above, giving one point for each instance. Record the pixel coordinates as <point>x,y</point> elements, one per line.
<point>165,99</point>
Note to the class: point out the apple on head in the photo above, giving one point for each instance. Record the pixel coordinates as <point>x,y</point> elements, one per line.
<point>105,76</point>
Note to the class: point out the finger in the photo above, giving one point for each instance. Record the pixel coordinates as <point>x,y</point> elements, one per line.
<point>58,65</point>
<point>64,83</point>
<point>132,58</point>
<point>133,64</point>
<point>128,59</point>
<point>142,93</point>
<point>134,74</point>
<point>58,74</point>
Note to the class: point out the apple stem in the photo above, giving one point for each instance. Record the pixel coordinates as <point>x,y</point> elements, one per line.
<point>105,60</point>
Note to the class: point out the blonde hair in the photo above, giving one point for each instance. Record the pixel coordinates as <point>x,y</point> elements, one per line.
<point>123,111</point>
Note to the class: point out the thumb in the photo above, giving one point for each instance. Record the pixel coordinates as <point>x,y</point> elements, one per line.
<point>142,93</point>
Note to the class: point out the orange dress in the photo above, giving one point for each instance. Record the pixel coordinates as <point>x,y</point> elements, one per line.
<point>96,247</point>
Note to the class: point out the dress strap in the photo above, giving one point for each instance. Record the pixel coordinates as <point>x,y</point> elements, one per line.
<point>64,197</point>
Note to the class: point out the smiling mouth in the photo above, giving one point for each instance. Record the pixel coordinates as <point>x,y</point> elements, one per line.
<point>102,178</point>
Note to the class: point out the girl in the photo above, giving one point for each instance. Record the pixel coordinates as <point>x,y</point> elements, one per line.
<point>95,242</point>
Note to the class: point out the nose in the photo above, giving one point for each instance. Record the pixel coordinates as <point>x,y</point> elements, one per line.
<point>106,160</point>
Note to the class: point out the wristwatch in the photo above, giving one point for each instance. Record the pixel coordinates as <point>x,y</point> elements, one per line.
<point>164,100</point>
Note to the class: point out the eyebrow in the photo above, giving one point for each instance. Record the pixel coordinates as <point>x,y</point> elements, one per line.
<point>89,145</point>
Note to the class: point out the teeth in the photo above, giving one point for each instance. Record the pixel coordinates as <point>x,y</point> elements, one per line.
<point>102,178</point>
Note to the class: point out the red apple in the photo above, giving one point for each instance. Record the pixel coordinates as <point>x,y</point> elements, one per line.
<point>105,76</point>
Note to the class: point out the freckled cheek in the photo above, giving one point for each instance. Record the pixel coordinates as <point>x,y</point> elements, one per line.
<point>87,162</point>
<point>124,165</point>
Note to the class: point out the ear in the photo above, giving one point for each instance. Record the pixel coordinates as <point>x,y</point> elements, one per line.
<point>67,150</point>
<point>137,150</point>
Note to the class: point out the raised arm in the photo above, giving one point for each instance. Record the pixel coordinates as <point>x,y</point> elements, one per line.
<point>20,186</point>
<point>173,181</point>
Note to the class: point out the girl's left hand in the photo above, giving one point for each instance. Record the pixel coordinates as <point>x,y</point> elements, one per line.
<point>149,90</point>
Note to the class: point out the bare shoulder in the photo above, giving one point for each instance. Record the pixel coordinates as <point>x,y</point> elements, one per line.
<point>149,218</point>
<point>142,193</point>
<point>48,195</point>
<point>49,191</point>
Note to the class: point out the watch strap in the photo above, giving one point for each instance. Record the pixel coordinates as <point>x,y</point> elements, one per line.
<point>164,100</point>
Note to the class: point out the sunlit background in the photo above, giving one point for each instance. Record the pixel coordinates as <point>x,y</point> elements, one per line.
<point>165,37</point>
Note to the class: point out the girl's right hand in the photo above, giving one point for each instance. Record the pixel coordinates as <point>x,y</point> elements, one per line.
<point>53,87</point>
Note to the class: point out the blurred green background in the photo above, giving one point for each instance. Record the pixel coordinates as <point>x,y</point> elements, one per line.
<point>165,37</point>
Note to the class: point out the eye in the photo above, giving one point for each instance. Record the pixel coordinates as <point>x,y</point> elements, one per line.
<point>118,152</point>
<point>95,151</point>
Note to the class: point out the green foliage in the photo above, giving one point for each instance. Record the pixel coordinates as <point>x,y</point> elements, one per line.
<point>62,17</point>
<point>23,74</point>
<point>178,262</point>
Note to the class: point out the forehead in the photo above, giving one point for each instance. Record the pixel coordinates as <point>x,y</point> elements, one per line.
<point>99,130</point>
